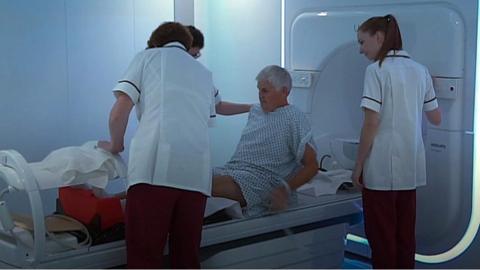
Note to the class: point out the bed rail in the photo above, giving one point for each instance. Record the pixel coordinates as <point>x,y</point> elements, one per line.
<point>16,173</point>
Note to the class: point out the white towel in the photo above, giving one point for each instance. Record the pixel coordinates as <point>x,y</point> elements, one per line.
<point>215,204</point>
<point>84,164</point>
<point>325,183</point>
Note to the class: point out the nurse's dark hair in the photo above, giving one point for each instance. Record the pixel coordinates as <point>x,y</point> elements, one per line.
<point>389,27</point>
<point>170,32</point>
<point>198,39</point>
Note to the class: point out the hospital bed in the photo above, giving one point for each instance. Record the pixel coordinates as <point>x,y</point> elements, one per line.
<point>310,234</point>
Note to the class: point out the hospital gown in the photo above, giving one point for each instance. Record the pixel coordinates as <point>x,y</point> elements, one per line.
<point>270,151</point>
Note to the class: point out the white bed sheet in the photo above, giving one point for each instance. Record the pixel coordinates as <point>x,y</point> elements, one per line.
<point>77,165</point>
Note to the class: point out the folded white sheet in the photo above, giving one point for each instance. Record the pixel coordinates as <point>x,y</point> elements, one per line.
<point>325,183</point>
<point>215,204</point>
<point>77,165</point>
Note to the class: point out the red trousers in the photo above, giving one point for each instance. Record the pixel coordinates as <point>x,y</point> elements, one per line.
<point>154,213</point>
<point>389,218</point>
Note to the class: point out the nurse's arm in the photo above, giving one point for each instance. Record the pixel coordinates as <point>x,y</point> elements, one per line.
<point>434,116</point>
<point>371,122</point>
<point>229,108</point>
<point>119,120</point>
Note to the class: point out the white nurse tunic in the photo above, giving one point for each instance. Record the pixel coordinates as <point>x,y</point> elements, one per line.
<point>400,90</point>
<point>172,93</point>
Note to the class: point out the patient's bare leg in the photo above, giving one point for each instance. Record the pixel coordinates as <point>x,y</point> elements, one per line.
<point>224,186</point>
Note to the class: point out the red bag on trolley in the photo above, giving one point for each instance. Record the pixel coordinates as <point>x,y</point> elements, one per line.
<point>83,205</point>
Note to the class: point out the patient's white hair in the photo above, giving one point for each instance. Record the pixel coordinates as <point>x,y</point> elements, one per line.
<point>277,76</point>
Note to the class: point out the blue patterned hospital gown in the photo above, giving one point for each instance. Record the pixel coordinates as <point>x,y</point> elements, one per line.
<point>270,150</point>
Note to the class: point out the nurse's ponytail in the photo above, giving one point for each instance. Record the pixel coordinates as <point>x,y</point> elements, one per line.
<point>389,27</point>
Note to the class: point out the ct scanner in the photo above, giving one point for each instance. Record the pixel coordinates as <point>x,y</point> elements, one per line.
<point>321,51</point>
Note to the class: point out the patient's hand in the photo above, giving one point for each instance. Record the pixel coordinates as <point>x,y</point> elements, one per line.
<point>279,199</point>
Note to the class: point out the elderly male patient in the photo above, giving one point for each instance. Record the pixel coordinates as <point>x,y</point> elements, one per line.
<point>275,154</point>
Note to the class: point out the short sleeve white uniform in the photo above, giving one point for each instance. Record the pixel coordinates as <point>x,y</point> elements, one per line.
<point>172,93</point>
<point>400,90</point>
<point>216,99</point>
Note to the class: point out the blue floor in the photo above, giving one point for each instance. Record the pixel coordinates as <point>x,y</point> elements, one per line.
<point>353,261</point>
<point>354,264</point>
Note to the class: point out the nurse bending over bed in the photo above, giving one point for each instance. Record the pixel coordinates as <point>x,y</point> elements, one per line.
<point>275,154</point>
<point>169,159</point>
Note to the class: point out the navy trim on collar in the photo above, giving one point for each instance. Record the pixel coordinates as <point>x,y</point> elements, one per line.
<point>175,46</point>
<point>397,55</point>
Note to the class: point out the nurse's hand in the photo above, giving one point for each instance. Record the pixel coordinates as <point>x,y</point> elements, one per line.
<point>279,199</point>
<point>108,146</point>
<point>357,177</point>
<point>105,145</point>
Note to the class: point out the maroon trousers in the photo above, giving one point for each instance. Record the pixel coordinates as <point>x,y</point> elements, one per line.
<point>154,213</point>
<point>389,218</point>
